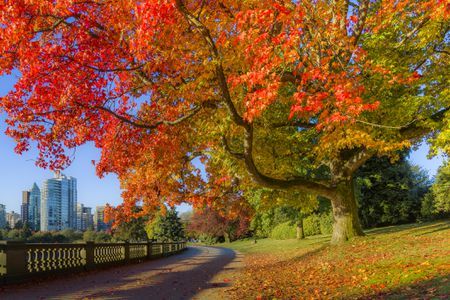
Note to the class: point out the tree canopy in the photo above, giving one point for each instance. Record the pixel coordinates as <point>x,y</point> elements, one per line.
<point>291,95</point>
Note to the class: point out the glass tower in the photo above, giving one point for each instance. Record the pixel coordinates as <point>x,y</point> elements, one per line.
<point>59,203</point>
<point>34,208</point>
<point>2,216</point>
<point>24,207</point>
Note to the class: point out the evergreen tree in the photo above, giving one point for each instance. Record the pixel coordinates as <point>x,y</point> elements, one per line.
<point>390,193</point>
<point>441,189</point>
<point>133,230</point>
<point>166,227</point>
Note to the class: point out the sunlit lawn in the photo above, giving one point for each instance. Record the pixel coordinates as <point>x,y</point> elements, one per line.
<point>398,262</point>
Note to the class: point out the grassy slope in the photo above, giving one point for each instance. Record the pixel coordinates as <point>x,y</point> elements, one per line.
<point>398,262</point>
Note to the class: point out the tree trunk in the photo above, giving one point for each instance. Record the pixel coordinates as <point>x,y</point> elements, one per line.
<point>345,214</point>
<point>300,232</point>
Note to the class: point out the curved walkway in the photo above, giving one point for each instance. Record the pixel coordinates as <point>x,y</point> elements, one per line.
<point>197,273</point>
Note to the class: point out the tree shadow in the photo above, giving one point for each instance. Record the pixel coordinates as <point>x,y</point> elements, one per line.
<point>176,284</point>
<point>410,228</point>
<point>436,229</point>
<point>181,276</point>
<point>305,256</point>
<point>436,288</point>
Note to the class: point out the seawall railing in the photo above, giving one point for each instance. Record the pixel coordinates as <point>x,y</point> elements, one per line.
<point>20,261</point>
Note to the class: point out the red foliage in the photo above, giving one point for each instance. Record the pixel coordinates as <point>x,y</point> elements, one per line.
<point>121,74</point>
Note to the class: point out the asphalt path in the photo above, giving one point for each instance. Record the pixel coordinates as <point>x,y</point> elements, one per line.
<point>196,273</point>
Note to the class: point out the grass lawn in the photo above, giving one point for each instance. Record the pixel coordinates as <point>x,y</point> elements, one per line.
<point>398,262</point>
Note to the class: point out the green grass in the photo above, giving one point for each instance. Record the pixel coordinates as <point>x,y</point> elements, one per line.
<point>398,262</point>
<point>275,246</point>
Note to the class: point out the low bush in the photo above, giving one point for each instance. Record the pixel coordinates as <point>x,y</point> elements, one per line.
<point>284,231</point>
<point>311,225</point>
<point>326,223</point>
<point>207,239</point>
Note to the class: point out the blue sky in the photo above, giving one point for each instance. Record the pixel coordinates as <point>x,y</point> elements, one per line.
<point>18,173</point>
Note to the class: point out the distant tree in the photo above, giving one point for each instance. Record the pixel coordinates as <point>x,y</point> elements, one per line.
<point>217,226</point>
<point>102,237</point>
<point>166,227</point>
<point>98,237</point>
<point>441,189</point>
<point>41,237</point>
<point>209,225</point>
<point>276,207</point>
<point>71,235</point>
<point>436,203</point>
<point>186,217</point>
<point>279,208</point>
<point>89,236</point>
<point>26,230</point>
<point>133,230</point>
<point>18,224</point>
<point>390,193</point>
<point>58,237</point>
<point>16,235</point>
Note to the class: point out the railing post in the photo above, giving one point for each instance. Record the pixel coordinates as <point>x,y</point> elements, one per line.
<point>149,249</point>
<point>16,260</point>
<point>162,248</point>
<point>127,251</point>
<point>90,254</point>
<point>170,248</point>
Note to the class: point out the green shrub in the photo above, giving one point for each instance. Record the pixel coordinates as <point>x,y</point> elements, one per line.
<point>311,225</point>
<point>207,239</point>
<point>326,223</point>
<point>284,231</point>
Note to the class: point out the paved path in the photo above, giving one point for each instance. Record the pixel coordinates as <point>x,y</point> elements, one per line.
<point>197,273</point>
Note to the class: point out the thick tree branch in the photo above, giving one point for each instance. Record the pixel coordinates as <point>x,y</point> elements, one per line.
<point>227,148</point>
<point>220,73</point>
<point>355,162</point>
<point>247,156</point>
<point>297,183</point>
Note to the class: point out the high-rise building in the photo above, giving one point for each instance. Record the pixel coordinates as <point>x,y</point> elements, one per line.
<point>2,216</point>
<point>24,208</point>
<point>88,218</point>
<point>30,210</point>
<point>34,208</point>
<point>84,217</point>
<point>99,216</point>
<point>59,203</point>
<point>80,216</point>
<point>12,218</point>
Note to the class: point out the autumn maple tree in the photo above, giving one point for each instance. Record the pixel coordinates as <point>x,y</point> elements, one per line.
<point>285,95</point>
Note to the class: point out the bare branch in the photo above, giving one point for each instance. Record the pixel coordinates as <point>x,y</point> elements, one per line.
<point>137,124</point>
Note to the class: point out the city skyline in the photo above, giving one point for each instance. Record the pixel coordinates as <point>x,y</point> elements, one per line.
<point>53,207</point>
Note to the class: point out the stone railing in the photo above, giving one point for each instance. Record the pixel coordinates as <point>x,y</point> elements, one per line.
<point>20,261</point>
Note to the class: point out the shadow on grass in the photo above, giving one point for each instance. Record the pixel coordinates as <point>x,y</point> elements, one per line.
<point>411,228</point>
<point>436,229</point>
<point>436,288</point>
<point>305,256</point>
